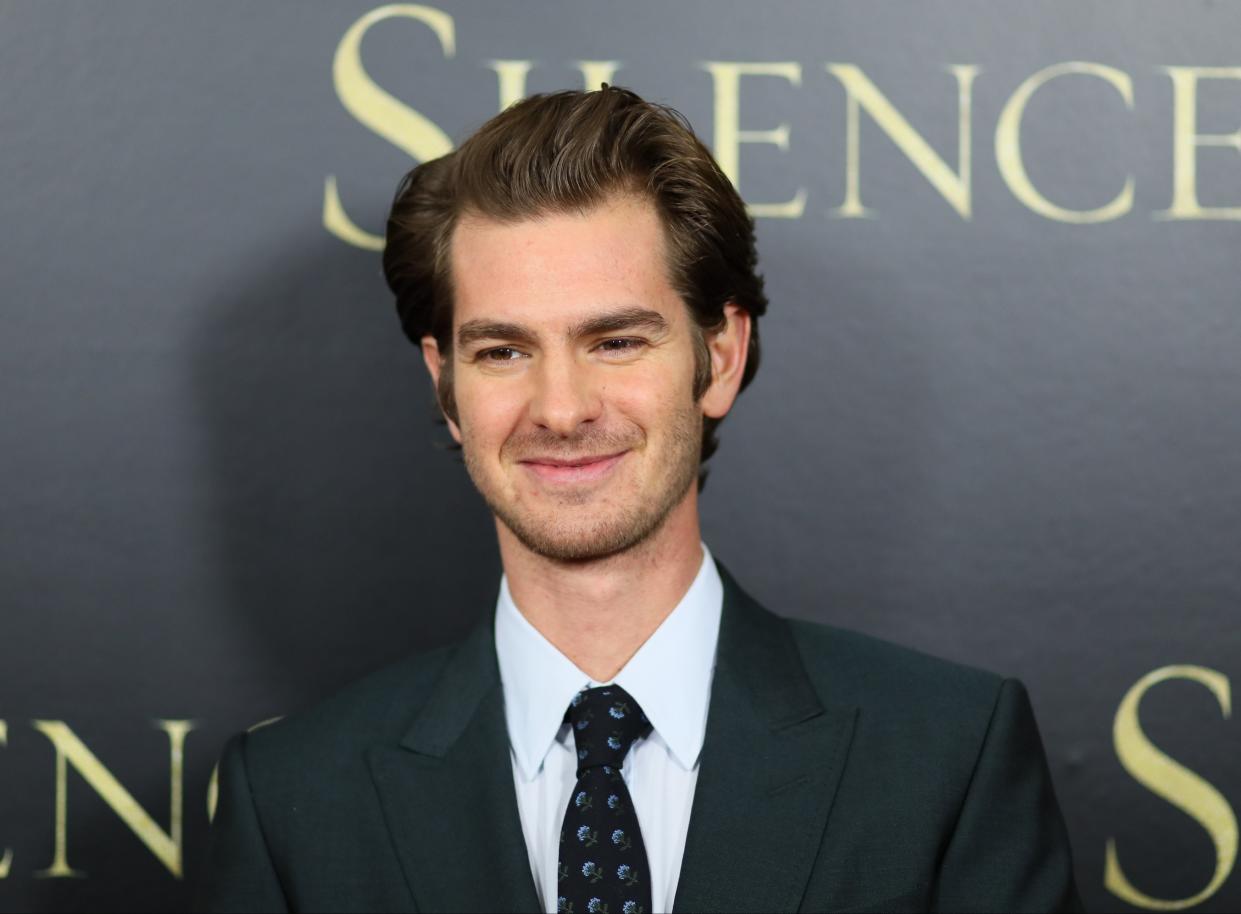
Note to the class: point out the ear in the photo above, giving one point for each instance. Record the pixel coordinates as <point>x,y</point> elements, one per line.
<point>434,361</point>
<point>728,347</point>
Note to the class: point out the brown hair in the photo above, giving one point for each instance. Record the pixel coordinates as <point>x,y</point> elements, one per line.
<point>570,150</point>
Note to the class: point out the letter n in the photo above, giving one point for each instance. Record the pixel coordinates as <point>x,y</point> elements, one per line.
<point>165,845</point>
<point>953,186</point>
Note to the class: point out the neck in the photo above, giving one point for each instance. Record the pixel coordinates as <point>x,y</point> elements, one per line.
<point>598,613</point>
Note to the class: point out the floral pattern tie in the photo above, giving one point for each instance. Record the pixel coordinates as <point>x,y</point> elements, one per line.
<point>603,867</point>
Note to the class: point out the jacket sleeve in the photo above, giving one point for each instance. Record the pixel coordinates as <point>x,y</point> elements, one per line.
<point>1009,850</point>
<point>239,874</point>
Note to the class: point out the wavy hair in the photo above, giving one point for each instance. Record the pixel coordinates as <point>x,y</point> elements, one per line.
<point>571,150</point>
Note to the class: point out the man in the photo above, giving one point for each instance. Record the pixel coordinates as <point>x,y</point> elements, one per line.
<point>629,731</point>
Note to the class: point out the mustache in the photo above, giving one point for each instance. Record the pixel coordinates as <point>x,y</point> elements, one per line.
<point>548,444</point>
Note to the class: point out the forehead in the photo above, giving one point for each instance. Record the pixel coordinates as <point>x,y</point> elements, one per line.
<point>561,267</point>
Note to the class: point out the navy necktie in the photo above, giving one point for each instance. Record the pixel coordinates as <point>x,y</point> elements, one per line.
<point>603,867</point>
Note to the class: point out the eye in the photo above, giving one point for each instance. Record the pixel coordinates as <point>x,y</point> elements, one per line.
<point>500,354</point>
<point>622,344</point>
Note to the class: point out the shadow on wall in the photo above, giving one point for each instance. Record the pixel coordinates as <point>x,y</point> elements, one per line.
<point>345,534</point>
<point>821,465</point>
<point>342,535</point>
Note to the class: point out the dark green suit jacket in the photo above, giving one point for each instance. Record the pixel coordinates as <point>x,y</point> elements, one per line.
<point>839,773</point>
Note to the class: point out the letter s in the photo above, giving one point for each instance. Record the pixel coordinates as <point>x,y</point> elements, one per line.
<point>375,108</point>
<point>1176,784</point>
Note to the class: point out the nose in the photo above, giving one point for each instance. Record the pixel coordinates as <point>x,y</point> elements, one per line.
<point>565,395</point>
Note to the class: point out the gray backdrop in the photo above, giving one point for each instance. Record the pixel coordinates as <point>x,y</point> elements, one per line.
<point>996,418</point>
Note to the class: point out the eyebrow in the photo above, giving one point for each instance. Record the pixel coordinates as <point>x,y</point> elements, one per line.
<point>481,329</point>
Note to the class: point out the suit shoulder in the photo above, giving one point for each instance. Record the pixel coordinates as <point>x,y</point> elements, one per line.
<point>856,668</point>
<point>375,707</point>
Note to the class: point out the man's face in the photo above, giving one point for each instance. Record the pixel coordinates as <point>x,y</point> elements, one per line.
<point>573,375</point>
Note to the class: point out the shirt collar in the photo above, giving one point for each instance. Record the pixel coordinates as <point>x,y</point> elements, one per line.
<point>669,676</point>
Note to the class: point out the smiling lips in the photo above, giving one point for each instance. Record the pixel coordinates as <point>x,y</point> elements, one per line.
<point>577,469</point>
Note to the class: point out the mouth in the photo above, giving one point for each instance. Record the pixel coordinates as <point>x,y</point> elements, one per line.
<point>573,470</point>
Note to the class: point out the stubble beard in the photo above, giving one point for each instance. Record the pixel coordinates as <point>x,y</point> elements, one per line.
<point>639,515</point>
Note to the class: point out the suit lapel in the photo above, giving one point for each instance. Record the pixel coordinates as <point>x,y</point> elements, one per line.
<point>771,762</point>
<point>448,797</point>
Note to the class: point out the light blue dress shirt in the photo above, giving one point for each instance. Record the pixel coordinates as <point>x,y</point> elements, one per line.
<point>669,677</point>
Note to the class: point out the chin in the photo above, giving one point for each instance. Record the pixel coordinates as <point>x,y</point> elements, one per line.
<point>587,541</point>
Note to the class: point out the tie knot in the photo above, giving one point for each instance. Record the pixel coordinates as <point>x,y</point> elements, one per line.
<point>606,722</point>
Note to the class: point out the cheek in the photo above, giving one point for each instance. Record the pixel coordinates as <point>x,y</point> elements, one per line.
<point>488,413</point>
<point>649,397</point>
